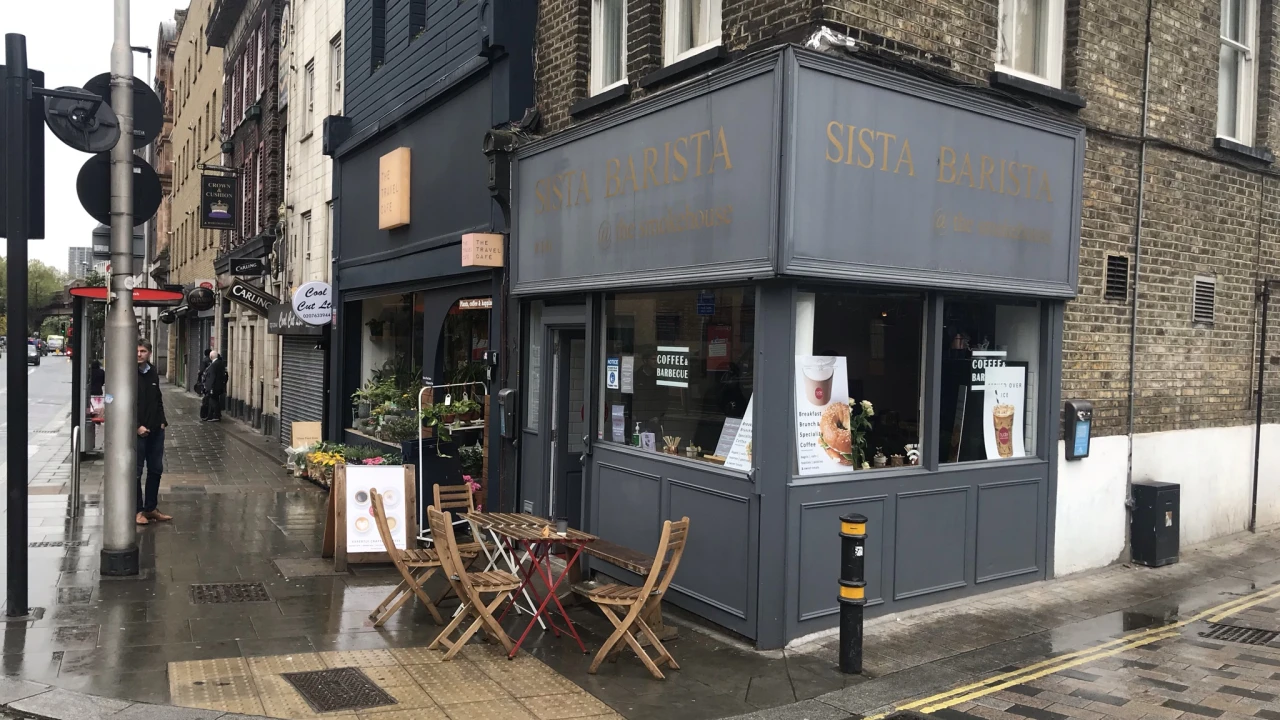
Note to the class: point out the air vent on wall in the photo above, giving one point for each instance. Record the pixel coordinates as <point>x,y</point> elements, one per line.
<point>1117,278</point>
<point>1202,303</point>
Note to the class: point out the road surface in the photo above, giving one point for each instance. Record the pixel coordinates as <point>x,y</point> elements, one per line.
<point>48,402</point>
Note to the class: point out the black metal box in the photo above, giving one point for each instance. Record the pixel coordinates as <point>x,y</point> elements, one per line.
<point>1153,530</point>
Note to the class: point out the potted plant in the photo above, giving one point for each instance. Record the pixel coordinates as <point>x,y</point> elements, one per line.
<point>406,431</point>
<point>472,459</point>
<point>375,327</point>
<point>468,410</point>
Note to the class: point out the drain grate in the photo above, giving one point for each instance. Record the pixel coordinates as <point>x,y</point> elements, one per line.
<point>57,543</point>
<point>1245,635</point>
<point>74,595</point>
<point>344,688</point>
<point>229,593</point>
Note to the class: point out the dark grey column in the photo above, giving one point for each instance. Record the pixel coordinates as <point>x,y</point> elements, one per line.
<point>773,441</point>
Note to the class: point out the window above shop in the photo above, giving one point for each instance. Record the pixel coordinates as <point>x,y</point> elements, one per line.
<point>678,370</point>
<point>608,44</point>
<point>1030,43</point>
<point>690,27</point>
<point>1237,70</point>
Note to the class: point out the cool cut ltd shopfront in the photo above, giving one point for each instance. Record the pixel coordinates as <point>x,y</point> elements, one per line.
<point>798,288</point>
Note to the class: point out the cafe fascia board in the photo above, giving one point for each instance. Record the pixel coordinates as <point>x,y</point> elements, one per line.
<point>393,189</point>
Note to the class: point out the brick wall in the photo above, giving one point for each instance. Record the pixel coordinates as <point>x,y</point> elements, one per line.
<point>1202,213</point>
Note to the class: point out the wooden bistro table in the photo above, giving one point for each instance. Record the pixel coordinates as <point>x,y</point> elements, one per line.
<point>535,537</point>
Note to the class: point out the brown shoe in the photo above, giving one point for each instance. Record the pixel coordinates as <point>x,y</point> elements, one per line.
<point>141,519</point>
<point>159,516</point>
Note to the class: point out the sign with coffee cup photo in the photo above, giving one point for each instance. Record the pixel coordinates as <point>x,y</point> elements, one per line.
<point>362,530</point>
<point>823,441</point>
<point>1004,412</point>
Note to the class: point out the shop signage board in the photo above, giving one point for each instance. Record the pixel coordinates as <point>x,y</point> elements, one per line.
<point>613,373</point>
<point>251,297</point>
<point>485,303</point>
<point>282,320</point>
<point>393,189</point>
<point>305,434</point>
<point>661,194</point>
<point>313,302</point>
<point>350,533</point>
<point>1004,412</point>
<point>482,250</point>
<point>673,366</point>
<point>903,183</point>
<point>247,266</point>
<point>218,202</point>
<point>822,404</point>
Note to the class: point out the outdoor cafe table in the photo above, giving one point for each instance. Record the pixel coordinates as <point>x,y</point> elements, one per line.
<point>536,537</point>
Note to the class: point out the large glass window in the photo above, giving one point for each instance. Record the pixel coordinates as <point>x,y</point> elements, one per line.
<point>990,380</point>
<point>1237,38</point>
<point>390,356</point>
<point>678,369</point>
<point>465,340</point>
<point>877,338</point>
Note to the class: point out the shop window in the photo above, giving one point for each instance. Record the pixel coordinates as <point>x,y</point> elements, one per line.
<point>390,354</point>
<point>1237,70</point>
<point>1031,39</point>
<point>678,370</point>
<point>608,44</point>
<point>877,339</point>
<point>691,27</point>
<point>990,380</point>
<point>465,340</point>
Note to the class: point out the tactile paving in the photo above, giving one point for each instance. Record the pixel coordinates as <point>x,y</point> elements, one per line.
<point>569,705</point>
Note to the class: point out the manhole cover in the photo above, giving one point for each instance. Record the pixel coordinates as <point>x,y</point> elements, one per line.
<point>74,595</point>
<point>229,593</point>
<point>57,543</point>
<point>1245,635</point>
<point>338,689</point>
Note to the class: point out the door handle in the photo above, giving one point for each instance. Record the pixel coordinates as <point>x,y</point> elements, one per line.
<point>586,449</point>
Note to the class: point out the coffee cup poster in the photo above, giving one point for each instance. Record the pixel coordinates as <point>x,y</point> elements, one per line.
<point>362,529</point>
<point>823,441</point>
<point>1003,407</point>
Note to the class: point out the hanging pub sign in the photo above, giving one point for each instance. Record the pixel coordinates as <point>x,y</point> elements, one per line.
<point>217,202</point>
<point>313,303</point>
<point>251,297</point>
<point>200,298</point>
<point>247,267</point>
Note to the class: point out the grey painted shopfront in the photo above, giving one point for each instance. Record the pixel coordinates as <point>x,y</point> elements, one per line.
<point>687,265</point>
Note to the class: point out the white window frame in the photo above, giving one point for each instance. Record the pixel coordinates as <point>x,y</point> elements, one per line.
<point>335,75</point>
<point>1247,92</point>
<point>306,243</point>
<point>308,97</point>
<point>1051,53</point>
<point>670,26</point>
<point>598,47</point>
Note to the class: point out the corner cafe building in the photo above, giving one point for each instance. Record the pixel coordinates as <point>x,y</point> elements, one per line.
<point>708,275</point>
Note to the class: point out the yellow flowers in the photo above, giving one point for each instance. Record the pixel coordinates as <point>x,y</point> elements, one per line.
<point>325,459</point>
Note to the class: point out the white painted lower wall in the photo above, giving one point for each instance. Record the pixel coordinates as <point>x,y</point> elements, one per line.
<point>1213,466</point>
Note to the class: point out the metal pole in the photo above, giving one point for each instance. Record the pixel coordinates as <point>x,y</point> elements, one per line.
<point>17,224</point>
<point>119,537</point>
<point>75,472</point>
<point>853,590</point>
<point>1257,423</point>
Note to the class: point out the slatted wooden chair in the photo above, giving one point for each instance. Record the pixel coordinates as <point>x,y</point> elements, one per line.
<point>471,587</point>
<point>415,567</point>
<point>457,499</point>
<point>637,603</point>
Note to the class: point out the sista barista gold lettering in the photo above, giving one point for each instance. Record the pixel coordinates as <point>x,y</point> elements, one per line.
<point>872,149</point>
<point>677,160</point>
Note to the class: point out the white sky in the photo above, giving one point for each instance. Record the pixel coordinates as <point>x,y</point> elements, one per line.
<point>70,40</point>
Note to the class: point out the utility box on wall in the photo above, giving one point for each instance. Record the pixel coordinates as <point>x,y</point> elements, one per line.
<point>1077,428</point>
<point>1154,525</point>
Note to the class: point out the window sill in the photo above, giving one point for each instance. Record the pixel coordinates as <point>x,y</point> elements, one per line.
<point>1064,98</point>
<point>681,460</point>
<point>306,137</point>
<point>684,67</point>
<point>599,100</point>
<point>1259,153</point>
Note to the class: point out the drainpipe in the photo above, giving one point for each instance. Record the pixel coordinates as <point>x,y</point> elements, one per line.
<point>1265,296</point>
<point>1137,267</point>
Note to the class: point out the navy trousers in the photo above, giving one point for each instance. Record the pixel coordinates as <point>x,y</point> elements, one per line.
<point>150,454</point>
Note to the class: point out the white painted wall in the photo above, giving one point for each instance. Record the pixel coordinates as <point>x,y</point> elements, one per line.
<point>1214,467</point>
<point>1091,520</point>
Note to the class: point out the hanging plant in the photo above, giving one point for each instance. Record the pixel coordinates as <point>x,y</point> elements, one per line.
<point>375,327</point>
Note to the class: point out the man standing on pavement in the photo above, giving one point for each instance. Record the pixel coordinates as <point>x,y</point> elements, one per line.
<point>151,425</point>
<point>215,382</point>
<point>202,387</point>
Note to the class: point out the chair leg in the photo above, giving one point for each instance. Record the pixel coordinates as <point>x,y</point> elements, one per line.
<point>381,613</point>
<point>609,642</point>
<point>664,656</point>
<point>443,637</point>
<point>425,598</point>
<point>491,626</point>
<point>465,637</point>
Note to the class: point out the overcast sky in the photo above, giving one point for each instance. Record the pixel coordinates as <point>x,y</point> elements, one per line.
<point>70,40</point>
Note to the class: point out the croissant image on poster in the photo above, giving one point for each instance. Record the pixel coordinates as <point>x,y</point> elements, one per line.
<point>823,442</point>
<point>1003,412</point>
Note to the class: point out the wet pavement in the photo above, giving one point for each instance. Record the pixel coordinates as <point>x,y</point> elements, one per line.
<point>239,518</point>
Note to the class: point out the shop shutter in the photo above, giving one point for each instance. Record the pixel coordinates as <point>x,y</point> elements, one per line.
<point>301,384</point>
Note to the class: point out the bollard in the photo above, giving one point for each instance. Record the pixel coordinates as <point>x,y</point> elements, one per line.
<point>75,472</point>
<point>853,539</point>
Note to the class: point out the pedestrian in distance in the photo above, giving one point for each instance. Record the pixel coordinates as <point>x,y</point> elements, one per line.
<point>202,387</point>
<point>216,383</point>
<point>151,427</point>
<point>97,378</point>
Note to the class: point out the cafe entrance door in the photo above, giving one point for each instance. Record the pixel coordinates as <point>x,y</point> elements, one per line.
<point>568,423</point>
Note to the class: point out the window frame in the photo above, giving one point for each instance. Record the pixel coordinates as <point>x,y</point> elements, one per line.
<point>1247,81</point>
<point>335,74</point>
<point>308,96</point>
<point>1051,54</point>
<point>670,20</point>
<point>597,85</point>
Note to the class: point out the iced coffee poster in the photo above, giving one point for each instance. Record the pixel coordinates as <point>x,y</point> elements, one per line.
<point>362,531</point>
<point>1003,408</point>
<point>823,441</point>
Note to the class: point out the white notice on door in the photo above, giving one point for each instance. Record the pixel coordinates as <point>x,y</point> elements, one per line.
<point>628,378</point>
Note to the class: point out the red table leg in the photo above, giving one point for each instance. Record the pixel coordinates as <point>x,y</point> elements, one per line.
<point>544,572</point>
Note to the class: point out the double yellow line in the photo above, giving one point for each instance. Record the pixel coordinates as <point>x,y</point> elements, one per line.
<point>1004,681</point>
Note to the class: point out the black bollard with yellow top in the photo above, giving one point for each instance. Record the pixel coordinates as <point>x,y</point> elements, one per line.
<point>853,540</point>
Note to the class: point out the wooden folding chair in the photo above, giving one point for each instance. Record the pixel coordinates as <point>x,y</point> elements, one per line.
<point>471,588</point>
<point>640,602</point>
<point>415,566</point>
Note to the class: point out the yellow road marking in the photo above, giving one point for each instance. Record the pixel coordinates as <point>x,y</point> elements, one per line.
<point>1079,657</point>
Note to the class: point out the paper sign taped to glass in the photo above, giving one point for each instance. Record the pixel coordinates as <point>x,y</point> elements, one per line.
<point>824,443</point>
<point>1003,412</point>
